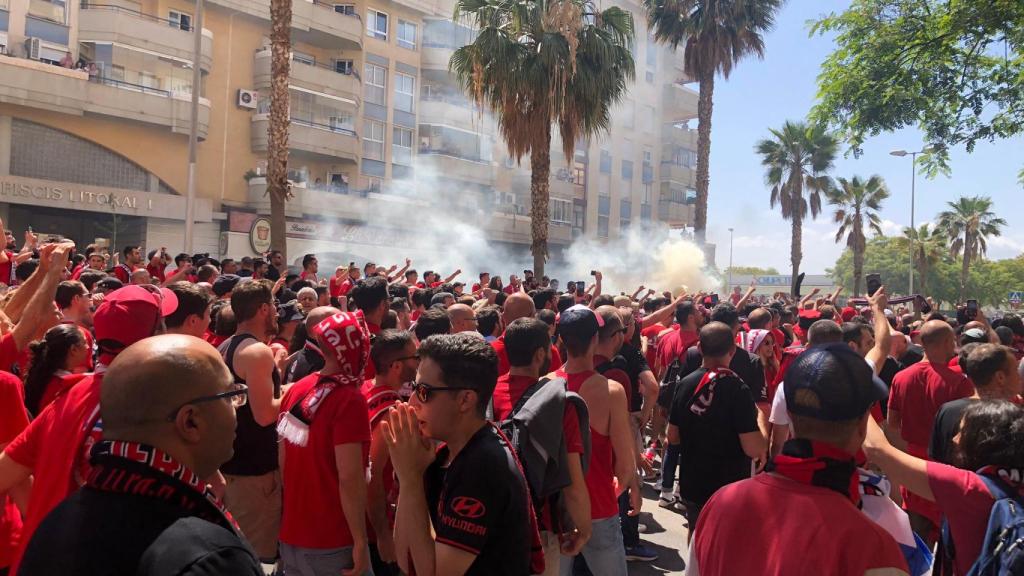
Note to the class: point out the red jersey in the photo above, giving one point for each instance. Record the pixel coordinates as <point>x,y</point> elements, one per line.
<point>600,477</point>
<point>13,420</point>
<point>379,399</point>
<point>312,516</point>
<point>813,530</point>
<point>58,385</point>
<point>917,394</point>
<point>157,272</point>
<point>8,352</point>
<point>311,276</point>
<point>650,335</point>
<point>673,345</point>
<point>54,447</point>
<point>7,269</point>
<point>340,287</point>
<point>503,366</point>
<point>123,272</point>
<point>966,503</point>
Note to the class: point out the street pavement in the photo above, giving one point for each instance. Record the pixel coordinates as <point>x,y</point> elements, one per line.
<point>666,535</point>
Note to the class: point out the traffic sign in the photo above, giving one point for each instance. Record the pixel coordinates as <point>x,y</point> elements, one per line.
<point>1016,297</point>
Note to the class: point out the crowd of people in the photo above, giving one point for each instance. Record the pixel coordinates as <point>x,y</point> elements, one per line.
<point>188,415</point>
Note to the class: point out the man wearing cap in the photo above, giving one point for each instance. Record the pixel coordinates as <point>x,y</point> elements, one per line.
<point>916,396</point>
<point>810,490</point>
<point>310,359</point>
<point>289,315</point>
<point>253,493</point>
<point>612,464</point>
<point>55,447</point>
<point>224,284</point>
<point>714,422</point>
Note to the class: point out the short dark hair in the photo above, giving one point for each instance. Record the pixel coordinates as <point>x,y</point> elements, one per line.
<point>182,257</point>
<point>726,314</point>
<point>247,297</point>
<point>24,270</point>
<point>828,312</point>
<point>387,347</point>
<point>824,332</point>
<point>466,361</point>
<point>433,321</point>
<point>399,305</point>
<point>992,434</point>
<point>225,321</point>
<point>129,249</point>
<point>985,361</point>
<point>612,322</point>
<point>565,301</point>
<point>440,297</point>
<point>410,272</point>
<point>206,272</point>
<point>542,297</point>
<point>852,331</point>
<point>368,293</point>
<point>308,259</point>
<point>523,337</point>
<point>716,339</point>
<point>191,301</point>
<point>547,316</point>
<point>320,290</point>
<point>66,292</point>
<point>684,310</point>
<point>89,278</point>
<point>487,319</point>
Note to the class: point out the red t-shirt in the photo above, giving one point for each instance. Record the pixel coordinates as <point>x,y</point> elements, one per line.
<point>618,375</point>
<point>673,345</point>
<point>917,394</point>
<point>53,447</point>
<point>503,366</point>
<point>57,387</point>
<point>600,477</point>
<point>340,287</point>
<point>123,272</point>
<point>650,335</point>
<point>157,272</point>
<point>966,502</point>
<point>13,420</point>
<point>814,530</point>
<point>7,269</point>
<point>379,399</point>
<point>312,516</point>
<point>8,352</point>
<point>370,372</point>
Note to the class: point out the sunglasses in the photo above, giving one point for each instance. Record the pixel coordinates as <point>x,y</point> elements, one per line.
<point>423,390</point>
<point>238,395</point>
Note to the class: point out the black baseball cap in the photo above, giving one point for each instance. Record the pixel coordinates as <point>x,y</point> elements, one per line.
<point>831,383</point>
<point>225,283</point>
<point>289,312</point>
<point>579,323</point>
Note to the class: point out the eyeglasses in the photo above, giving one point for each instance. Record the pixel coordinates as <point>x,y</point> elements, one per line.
<point>424,390</point>
<point>238,395</point>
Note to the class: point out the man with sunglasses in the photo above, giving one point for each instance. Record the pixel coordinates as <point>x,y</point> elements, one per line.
<point>168,407</point>
<point>55,447</point>
<point>472,491</point>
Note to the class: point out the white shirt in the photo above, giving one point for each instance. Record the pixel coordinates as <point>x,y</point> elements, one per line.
<point>779,414</point>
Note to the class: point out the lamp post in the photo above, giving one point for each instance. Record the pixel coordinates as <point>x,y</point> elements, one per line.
<point>913,230</point>
<point>730,260</point>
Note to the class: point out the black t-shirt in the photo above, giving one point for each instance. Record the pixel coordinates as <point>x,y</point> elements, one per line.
<point>946,427</point>
<point>480,504</point>
<point>913,355</point>
<point>303,364</point>
<point>746,365</point>
<point>710,453</point>
<point>635,365</point>
<point>272,274</point>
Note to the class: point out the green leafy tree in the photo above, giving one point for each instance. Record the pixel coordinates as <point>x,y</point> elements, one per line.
<point>536,63</point>
<point>751,271</point>
<point>929,247</point>
<point>857,203</point>
<point>796,159</point>
<point>951,68</point>
<point>716,35</point>
<point>968,223</point>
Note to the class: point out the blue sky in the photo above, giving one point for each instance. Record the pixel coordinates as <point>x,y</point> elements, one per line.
<point>765,93</point>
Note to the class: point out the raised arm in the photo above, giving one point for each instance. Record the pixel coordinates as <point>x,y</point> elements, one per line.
<point>805,299</point>
<point>399,274</point>
<point>452,277</point>
<point>880,351</point>
<point>750,292</point>
<point>55,257</point>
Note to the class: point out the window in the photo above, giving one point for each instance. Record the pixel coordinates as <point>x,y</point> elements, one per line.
<point>652,53</point>
<point>627,169</point>
<point>52,10</point>
<point>603,186</point>
<point>645,211</point>
<point>341,123</point>
<point>561,211</point>
<point>377,24</point>
<point>346,9</point>
<point>604,205</point>
<point>303,58</point>
<point>407,34</point>
<point>401,146</point>
<point>647,118</point>
<point>625,209</point>
<point>649,77</point>
<point>343,67</point>
<point>606,162</point>
<point>647,193</point>
<point>375,84</point>
<point>180,20</point>
<point>373,139</point>
<point>602,226</point>
<point>405,90</point>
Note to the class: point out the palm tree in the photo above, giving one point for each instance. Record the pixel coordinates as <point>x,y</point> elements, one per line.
<point>796,159</point>
<point>716,34</point>
<point>541,62</point>
<point>857,201</point>
<point>929,246</point>
<point>968,223</point>
<point>277,131</point>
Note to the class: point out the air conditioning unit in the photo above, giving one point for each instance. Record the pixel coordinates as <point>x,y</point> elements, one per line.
<point>247,98</point>
<point>32,48</point>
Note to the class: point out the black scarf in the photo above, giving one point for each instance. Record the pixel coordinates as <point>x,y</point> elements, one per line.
<point>818,464</point>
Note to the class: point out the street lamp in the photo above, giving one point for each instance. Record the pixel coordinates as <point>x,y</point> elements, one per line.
<point>730,259</point>
<point>913,180</point>
<point>193,130</point>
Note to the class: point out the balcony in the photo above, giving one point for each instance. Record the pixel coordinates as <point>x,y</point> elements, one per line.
<point>316,77</point>
<point>39,85</point>
<point>435,57</point>
<point>676,215</point>
<point>679,104</point>
<point>329,143</point>
<point>456,113</point>
<point>677,173</point>
<point>679,137</point>
<point>480,172</point>
<point>313,22</point>
<point>515,229</point>
<point>115,24</point>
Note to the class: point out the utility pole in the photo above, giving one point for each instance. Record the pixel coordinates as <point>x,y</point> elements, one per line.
<point>193,132</point>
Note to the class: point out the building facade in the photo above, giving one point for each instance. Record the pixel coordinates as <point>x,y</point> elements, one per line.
<point>95,115</point>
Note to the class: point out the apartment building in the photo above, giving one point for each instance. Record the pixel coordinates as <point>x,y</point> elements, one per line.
<point>95,115</point>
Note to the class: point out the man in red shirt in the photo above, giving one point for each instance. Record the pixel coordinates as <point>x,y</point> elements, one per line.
<point>55,447</point>
<point>811,488</point>
<point>345,277</point>
<point>672,345</point>
<point>325,435</point>
<point>157,263</point>
<point>13,420</point>
<point>916,396</point>
<point>310,266</point>
<point>529,354</point>
<point>95,261</point>
<point>518,305</point>
<point>371,296</point>
<point>132,256</point>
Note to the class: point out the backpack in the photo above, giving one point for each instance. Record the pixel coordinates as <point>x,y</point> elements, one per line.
<point>674,374</point>
<point>534,429</point>
<point>1002,552</point>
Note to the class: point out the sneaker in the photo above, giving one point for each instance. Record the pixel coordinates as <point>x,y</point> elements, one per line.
<point>652,475</point>
<point>640,553</point>
<point>667,500</point>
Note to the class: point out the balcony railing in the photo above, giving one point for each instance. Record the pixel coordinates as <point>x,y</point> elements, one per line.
<point>327,127</point>
<point>424,151</point>
<point>48,11</point>
<point>137,14</point>
<point>129,86</point>
<point>327,6</point>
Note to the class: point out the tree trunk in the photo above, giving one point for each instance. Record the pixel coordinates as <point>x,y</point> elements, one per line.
<point>965,266</point>
<point>540,192</point>
<point>704,106</point>
<point>858,253</point>
<point>277,132</point>
<point>795,246</point>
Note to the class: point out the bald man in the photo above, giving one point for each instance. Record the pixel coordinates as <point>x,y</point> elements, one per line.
<point>168,406</point>
<point>518,305</point>
<point>915,398</point>
<point>310,358</point>
<point>462,317</point>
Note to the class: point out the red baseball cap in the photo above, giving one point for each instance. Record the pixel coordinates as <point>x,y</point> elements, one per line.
<point>130,314</point>
<point>848,313</point>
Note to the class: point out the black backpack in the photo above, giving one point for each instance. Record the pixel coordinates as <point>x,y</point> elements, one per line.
<point>674,374</point>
